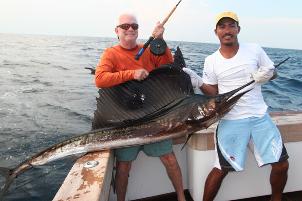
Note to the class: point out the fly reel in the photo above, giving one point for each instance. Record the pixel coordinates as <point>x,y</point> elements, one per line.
<point>158,47</point>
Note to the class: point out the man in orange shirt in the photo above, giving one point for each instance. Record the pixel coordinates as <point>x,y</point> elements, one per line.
<point>118,65</point>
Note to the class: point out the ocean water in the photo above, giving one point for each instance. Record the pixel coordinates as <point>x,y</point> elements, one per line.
<point>47,95</point>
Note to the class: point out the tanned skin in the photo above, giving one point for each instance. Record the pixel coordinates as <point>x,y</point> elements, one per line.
<point>127,40</point>
<point>227,30</point>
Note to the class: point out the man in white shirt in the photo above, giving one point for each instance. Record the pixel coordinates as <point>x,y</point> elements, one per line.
<point>231,66</point>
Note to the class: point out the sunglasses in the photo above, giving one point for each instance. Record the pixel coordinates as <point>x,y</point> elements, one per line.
<point>127,26</point>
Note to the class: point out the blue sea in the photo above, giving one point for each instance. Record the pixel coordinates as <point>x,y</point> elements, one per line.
<point>47,95</point>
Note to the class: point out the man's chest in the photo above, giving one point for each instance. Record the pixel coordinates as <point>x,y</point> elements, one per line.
<point>127,62</point>
<point>238,69</point>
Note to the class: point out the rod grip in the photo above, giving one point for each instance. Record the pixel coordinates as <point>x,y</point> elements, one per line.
<point>141,51</point>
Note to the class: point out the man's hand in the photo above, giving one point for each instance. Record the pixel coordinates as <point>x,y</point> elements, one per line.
<point>140,74</point>
<point>262,77</point>
<point>158,31</point>
<point>196,80</point>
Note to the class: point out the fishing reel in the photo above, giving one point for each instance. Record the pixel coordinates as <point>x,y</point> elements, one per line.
<point>158,46</point>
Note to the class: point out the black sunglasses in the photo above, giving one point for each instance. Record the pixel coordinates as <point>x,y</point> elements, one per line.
<point>134,26</point>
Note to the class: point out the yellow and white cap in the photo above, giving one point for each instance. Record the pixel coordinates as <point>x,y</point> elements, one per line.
<point>228,14</point>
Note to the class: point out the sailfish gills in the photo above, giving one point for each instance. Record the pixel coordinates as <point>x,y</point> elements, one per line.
<point>163,106</point>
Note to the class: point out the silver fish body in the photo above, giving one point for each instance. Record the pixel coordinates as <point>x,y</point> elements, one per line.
<point>172,123</point>
<point>161,107</point>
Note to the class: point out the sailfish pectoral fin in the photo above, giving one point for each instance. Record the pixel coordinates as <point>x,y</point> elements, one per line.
<point>187,140</point>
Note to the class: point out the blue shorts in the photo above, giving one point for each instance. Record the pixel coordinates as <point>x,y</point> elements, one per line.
<point>233,137</point>
<point>155,149</point>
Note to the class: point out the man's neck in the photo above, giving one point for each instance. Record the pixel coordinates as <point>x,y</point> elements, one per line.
<point>128,45</point>
<point>229,51</point>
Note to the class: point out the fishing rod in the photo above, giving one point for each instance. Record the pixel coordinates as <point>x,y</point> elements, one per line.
<point>141,51</point>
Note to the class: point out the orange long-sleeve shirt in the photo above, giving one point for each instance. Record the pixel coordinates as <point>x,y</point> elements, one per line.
<point>117,64</point>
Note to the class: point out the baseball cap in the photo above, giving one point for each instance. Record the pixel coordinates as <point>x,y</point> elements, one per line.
<point>228,14</point>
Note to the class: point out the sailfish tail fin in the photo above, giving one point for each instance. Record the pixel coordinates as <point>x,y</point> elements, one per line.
<point>9,178</point>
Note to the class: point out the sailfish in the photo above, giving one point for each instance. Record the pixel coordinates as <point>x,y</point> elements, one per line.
<point>163,106</point>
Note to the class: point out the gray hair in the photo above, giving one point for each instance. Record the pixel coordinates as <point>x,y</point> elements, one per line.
<point>125,14</point>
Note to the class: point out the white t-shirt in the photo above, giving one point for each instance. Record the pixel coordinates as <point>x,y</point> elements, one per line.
<point>232,73</point>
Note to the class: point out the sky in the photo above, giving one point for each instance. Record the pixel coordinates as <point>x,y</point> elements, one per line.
<point>270,23</point>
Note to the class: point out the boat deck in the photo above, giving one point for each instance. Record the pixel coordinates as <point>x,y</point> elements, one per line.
<point>292,196</point>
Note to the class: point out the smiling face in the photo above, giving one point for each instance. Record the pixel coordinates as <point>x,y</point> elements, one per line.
<point>227,30</point>
<point>127,37</point>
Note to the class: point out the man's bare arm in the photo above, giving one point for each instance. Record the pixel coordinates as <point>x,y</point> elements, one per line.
<point>208,89</point>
